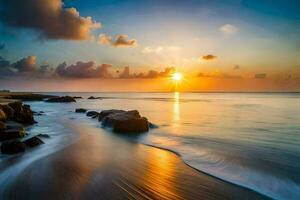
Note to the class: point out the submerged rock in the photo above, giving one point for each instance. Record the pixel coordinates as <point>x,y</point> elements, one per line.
<point>92,97</point>
<point>124,121</point>
<point>32,142</point>
<point>77,97</point>
<point>64,99</point>
<point>80,110</point>
<point>12,147</point>
<point>43,135</point>
<point>93,114</point>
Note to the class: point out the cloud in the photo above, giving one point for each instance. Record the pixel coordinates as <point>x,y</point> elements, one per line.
<point>218,75</point>
<point>150,74</point>
<point>228,29</point>
<point>49,18</point>
<point>120,41</point>
<point>208,57</point>
<point>236,67</point>
<point>160,49</point>
<point>260,76</point>
<point>27,64</point>
<point>26,67</point>
<point>84,70</point>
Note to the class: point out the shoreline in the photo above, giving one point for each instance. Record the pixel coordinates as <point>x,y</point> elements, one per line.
<point>163,169</point>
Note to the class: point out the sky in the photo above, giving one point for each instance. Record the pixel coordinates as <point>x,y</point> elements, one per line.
<point>134,45</point>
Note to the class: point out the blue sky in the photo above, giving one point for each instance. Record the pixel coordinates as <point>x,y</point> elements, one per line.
<point>261,36</point>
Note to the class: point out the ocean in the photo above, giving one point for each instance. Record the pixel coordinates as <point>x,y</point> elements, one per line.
<point>248,139</point>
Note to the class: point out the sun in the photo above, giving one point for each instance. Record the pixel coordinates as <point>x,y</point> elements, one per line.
<point>177,76</point>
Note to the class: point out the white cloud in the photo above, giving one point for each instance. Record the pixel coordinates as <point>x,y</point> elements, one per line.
<point>160,49</point>
<point>228,29</point>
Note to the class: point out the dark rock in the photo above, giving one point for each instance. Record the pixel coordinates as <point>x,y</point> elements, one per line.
<point>9,111</point>
<point>93,114</point>
<point>80,110</point>
<point>134,125</point>
<point>12,133</point>
<point>65,99</point>
<point>92,97</point>
<point>12,147</point>
<point>105,113</point>
<point>75,97</point>
<point>25,116</point>
<point>32,142</point>
<point>30,97</point>
<point>16,106</point>
<point>2,115</point>
<point>2,126</point>
<point>151,125</point>
<point>125,121</point>
<point>43,135</point>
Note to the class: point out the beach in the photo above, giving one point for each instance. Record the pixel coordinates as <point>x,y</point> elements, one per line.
<point>104,166</point>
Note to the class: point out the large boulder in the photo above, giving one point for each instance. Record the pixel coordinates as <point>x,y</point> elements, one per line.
<point>25,116</point>
<point>80,110</point>
<point>16,106</point>
<point>12,133</point>
<point>32,142</point>
<point>2,115</point>
<point>9,111</point>
<point>105,113</point>
<point>125,121</point>
<point>92,114</point>
<point>64,99</point>
<point>12,147</point>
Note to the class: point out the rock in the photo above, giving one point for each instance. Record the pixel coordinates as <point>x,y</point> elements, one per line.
<point>80,110</point>
<point>151,125</point>
<point>12,147</point>
<point>125,121</point>
<point>16,106</point>
<point>30,96</point>
<point>25,116</point>
<point>2,115</point>
<point>76,97</point>
<point>93,114</point>
<point>32,142</point>
<point>2,126</point>
<point>92,97</point>
<point>134,125</point>
<point>9,111</point>
<point>12,133</point>
<point>43,135</point>
<point>65,99</point>
<point>105,113</point>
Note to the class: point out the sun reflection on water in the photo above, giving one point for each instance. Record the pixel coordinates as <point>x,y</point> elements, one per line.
<point>176,107</point>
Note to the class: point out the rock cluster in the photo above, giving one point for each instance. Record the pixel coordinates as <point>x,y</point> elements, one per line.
<point>13,117</point>
<point>64,99</point>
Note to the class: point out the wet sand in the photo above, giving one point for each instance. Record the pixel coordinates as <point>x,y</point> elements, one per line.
<point>101,165</point>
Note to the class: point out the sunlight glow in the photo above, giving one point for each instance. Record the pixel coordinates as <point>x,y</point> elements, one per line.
<point>177,76</point>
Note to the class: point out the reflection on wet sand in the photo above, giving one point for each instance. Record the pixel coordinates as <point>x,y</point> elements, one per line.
<point>104,166</point>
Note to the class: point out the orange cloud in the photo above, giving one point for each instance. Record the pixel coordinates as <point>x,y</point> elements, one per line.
<point>120,41</point>
<point>49,18</point>
<point>209,57</point>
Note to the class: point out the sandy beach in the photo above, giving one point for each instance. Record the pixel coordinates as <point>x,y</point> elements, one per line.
<point>101,165</point>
